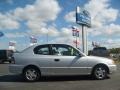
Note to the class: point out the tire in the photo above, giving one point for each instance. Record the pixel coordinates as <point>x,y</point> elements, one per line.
<point>31,74</point>
<point>99,72</point>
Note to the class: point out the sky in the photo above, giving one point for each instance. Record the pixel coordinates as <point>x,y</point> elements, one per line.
<point>20,19</point>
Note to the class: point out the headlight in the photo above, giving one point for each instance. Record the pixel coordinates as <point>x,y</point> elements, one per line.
<point>113,62</point>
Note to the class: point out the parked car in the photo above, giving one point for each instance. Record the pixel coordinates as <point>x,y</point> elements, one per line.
<point>100,51</point>
<point>5,56</point>
<point>59,59</point>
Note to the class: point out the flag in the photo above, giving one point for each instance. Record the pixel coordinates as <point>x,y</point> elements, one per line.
<point>33,39</point>
<point>11,43</point>
<point>75,32</point>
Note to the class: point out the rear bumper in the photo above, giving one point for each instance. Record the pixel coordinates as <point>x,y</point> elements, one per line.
<point>112,68</point>
<point>17,69</point>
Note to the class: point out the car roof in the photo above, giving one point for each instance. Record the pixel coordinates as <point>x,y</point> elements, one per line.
<point>53,44</point>
<point>33,46</point>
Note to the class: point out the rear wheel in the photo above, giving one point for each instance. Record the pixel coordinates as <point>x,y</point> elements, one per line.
<point>100,72</point>
<point>31,74</point>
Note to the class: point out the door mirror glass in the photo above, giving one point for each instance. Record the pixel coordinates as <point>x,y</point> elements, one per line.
<point>79,54</point>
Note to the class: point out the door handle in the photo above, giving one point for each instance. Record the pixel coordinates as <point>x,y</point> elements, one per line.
<point>56,60</point>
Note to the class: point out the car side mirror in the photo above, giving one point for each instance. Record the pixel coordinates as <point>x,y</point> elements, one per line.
<point>78,55</point>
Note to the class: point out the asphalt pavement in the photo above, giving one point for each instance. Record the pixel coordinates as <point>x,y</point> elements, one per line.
<point>10,81</point>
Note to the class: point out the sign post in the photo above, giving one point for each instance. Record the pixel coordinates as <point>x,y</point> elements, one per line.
<point>83,18</point>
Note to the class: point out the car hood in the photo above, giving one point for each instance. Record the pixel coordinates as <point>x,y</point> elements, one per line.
<point>96,57</point>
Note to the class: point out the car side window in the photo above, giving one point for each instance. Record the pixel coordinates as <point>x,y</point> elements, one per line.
<point>64,50</point>
<point>42,50</point>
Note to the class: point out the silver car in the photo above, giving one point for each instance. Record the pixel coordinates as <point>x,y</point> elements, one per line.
<point>59,59</point>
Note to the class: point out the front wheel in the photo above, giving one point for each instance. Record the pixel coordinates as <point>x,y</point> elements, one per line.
<point>31,74</point>
<point>100,72</point>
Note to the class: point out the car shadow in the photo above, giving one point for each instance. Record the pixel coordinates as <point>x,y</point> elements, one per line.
<point>18,78</point>
<point>11,78</point>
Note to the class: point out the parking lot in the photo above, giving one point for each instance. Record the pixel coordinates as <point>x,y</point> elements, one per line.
<point>9,81</point>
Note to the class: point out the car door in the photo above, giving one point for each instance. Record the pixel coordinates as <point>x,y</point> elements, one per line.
<point>66,60</point>
<point>42,56</point>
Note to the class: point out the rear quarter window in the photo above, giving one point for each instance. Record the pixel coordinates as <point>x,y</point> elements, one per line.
<point>42,50</point>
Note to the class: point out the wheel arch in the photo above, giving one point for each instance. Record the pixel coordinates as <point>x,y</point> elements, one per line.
<point>100,64</point>
<point>31,66</point>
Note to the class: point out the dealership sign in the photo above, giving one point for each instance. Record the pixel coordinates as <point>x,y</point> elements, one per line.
<point>83,17</point>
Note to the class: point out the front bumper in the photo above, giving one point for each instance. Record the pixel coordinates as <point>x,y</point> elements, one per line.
<point>112,68</point>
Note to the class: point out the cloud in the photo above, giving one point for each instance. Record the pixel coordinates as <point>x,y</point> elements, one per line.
<point>6,22</point>
<point>67,40</point>
<point>103,14</point>
<point>112,29</point>
<point>110,43</point>
<point>66,32</point>
<point>38,28</point>
<point>70,17</point>
<point>15,35</point>
<point>41,10</point>
<point>38,15</point>
<point>52,31</point>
